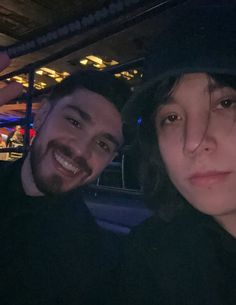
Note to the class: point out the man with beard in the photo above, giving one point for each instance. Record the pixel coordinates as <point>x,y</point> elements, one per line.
<point>52,251</point>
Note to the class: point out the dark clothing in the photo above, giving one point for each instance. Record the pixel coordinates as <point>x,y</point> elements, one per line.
<point>189,261</point>
<point>51,249</point>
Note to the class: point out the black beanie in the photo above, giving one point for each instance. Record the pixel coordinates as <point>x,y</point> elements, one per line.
<point>200,40</point>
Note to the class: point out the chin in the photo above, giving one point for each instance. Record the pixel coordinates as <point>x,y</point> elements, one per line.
<point>211,209</point>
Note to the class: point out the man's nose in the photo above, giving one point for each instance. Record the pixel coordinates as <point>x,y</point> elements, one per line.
<point>82,148</point>
<point>199,134</point>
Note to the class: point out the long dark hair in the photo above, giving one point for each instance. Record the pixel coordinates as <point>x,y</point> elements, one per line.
<point>160,194</point>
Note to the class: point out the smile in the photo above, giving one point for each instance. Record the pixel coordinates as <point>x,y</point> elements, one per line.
<point>65,164</point>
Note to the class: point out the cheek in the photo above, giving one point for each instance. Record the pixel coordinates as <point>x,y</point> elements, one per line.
<point>52,129</point>
<point>103,164</point>
<point>98,163</point>
<point>172,156</point>
<point>169,149</point>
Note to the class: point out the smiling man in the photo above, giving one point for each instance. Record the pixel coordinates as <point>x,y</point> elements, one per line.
<point>52,251</point>
<point>78,134</point>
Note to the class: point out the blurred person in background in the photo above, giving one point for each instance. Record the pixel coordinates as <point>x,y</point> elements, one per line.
<point>15,137</point>
<point>3,156</point>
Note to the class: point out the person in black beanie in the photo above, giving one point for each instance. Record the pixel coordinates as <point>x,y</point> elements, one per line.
<point>186,252</point>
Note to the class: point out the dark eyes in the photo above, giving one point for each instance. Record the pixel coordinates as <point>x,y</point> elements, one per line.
<point>104,146</point>
<point>173,117</point>
<point>170,119</point>
<point>100,143</point>
<point>74,122</point>
<point>226,103</point>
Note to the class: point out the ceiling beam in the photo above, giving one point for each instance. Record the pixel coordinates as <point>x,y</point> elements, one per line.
<point>28,8</point>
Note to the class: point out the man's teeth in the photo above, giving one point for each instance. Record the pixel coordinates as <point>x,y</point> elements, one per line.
<point>66,164</point>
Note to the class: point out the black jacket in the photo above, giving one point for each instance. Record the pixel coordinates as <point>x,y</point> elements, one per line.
<point>189,261</point>
<point>51,249</point>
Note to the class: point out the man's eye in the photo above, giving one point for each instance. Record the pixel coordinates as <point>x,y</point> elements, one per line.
<point>74,122</point>
<point>104,146</point>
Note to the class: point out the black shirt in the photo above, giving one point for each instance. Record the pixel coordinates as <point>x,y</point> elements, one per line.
<point>51,249</point>
<point>190,260</point>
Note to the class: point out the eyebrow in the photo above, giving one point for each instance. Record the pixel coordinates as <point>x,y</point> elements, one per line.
<point>168,101</point>
<point>84,115</point>
<point>216,86</point>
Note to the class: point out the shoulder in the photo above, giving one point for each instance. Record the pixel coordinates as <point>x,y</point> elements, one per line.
<point>181,234</point>
<point>175,250</point>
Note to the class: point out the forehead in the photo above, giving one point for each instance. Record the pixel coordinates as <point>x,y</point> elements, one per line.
<point>193,82</point>
<point>193,86</point>
<point>97,111</point>
<point>183,88</point>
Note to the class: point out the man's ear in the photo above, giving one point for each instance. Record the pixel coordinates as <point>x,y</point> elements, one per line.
<point>42,113</point>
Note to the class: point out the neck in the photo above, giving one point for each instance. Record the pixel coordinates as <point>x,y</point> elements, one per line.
<point>27,179</point>
<point>228,222</point>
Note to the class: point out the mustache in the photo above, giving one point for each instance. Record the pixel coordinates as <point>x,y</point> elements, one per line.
<point>68,152</point>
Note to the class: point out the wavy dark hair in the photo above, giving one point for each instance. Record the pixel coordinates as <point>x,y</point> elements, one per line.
<point>160,194</point>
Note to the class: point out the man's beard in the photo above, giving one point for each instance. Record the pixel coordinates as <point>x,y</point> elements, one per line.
<point>52,184</point>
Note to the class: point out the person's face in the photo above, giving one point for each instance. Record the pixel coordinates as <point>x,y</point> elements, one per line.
<point>196,132</point>
<point>76,140</point>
